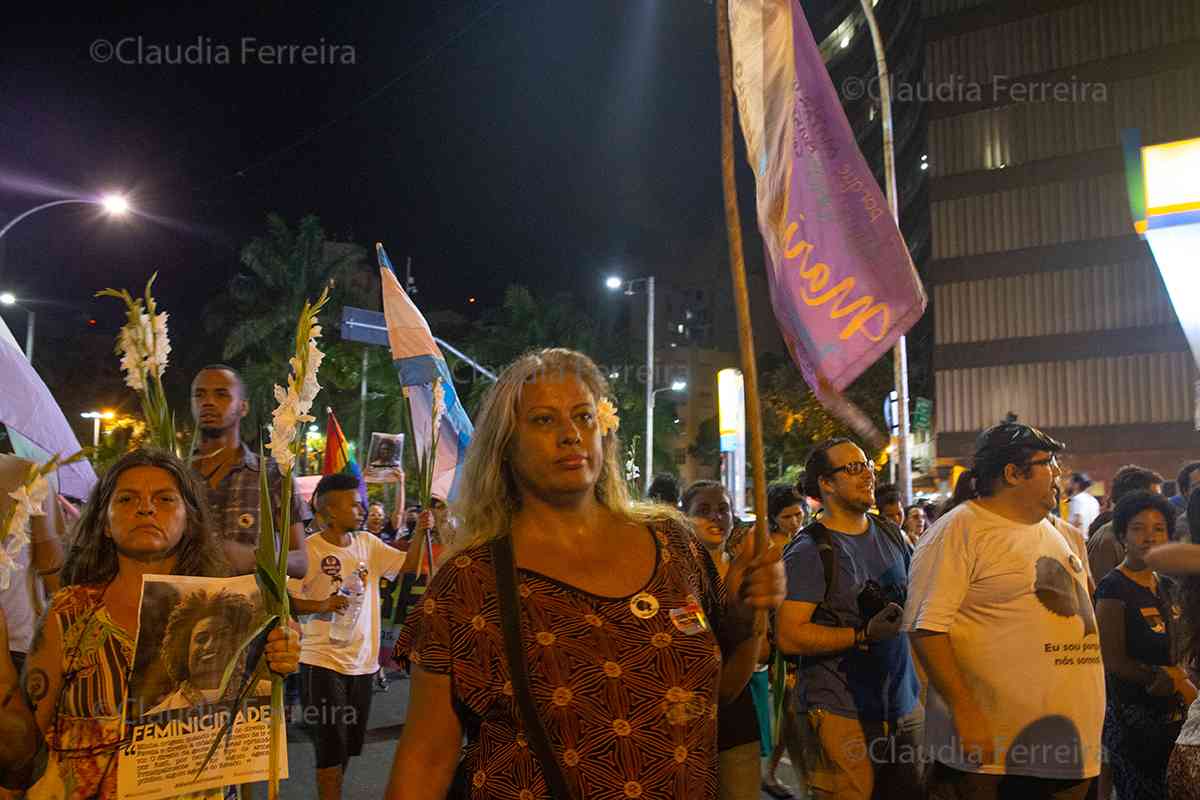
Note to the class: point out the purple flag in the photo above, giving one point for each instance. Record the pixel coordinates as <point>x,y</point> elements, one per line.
<point>35,423</point>
<point>843,286</point>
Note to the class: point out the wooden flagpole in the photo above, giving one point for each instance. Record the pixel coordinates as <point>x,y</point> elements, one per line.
<point>737,269</point>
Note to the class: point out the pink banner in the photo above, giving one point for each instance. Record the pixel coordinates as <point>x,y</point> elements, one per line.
<point>843,286</point>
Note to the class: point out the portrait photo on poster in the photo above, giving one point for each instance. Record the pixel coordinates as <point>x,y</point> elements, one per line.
<point>189,631</point>
<point>385,458</point>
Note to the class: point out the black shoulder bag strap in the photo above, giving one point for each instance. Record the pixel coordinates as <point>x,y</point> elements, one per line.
<point>828,553</point>
<point>510,621</point>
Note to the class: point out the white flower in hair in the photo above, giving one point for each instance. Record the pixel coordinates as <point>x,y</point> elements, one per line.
<point>606,416</point>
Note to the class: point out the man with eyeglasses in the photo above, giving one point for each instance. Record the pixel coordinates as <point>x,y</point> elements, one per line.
<point>857,697</point>
<point>1000,615</point>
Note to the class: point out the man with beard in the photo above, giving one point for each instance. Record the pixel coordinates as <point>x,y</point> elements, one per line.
<point>857,696</point>
<point>231,472</point>
<point>1000,615</point>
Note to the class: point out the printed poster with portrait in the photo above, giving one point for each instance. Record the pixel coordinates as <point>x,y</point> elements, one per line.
<point>385,458</point>
<point>188,629</point>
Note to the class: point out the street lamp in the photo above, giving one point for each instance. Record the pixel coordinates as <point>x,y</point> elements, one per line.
<point>95,417</point>
<point>10,299</point>
<point>115,205</point>
<point>613,283</point>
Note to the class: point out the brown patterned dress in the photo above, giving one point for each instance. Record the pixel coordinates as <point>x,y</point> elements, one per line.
<point>626,687</point>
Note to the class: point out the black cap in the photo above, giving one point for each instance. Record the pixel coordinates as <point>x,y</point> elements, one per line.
<point>1011,438</point>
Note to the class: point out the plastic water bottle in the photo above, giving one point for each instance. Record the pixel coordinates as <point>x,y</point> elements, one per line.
<point>345,622</point>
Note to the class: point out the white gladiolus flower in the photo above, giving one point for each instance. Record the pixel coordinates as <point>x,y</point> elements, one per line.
<point>439,404</point>
<point>295,402</point>
<point>135,375</point>
<point>632,473</point>
<point>29,501</point>
<point>156,362</point>
<point>32,497</point>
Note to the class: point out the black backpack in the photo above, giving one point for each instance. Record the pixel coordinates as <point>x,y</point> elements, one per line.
<point>829,552</point>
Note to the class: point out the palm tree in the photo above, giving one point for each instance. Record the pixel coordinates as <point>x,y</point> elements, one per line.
<point>259,307</point>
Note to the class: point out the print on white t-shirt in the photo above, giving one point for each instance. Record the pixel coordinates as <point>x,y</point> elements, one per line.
<point>1014,600</point>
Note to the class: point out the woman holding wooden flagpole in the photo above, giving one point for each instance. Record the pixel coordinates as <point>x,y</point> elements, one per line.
<point>581,641</point>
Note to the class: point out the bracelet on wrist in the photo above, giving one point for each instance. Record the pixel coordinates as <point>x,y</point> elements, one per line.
<point>860,638</point>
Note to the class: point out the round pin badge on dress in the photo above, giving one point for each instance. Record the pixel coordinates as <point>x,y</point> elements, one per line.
<point>1075,563</point>
<point>644,605</point>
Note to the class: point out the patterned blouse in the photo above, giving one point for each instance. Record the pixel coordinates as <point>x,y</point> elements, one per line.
<point>96,655</point>
<point>625,687</point>
<point>95,658</point>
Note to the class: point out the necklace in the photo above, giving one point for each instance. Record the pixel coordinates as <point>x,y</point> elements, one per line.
<point>220,465</point>
<point>1152,584</point>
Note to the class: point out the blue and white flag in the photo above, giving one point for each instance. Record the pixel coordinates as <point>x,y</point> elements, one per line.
<point>419,362</point>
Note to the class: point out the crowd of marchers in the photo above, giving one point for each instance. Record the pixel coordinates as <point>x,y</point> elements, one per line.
<point>1030,637</point>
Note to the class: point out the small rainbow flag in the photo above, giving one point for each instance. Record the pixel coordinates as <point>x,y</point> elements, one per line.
<point>337,454</point>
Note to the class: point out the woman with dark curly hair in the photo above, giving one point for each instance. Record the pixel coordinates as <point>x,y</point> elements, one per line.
<point>202,634</point>
<point>61,739</point>
<point>1147,692</point>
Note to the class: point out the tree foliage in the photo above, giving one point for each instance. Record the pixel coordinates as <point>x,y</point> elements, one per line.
<point>258,309</point>
<point>794,420</point>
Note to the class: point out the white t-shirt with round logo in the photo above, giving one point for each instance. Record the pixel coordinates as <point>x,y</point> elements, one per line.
<point>329,566</point>
<point>1014,600</point>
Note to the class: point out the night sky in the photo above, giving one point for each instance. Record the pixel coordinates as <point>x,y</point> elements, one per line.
<point>494,142</point>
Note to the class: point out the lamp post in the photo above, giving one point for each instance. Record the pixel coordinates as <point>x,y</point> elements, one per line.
<point>115,205</point>
<point>95,417</point>
<point>614,283</point>
<point>676,386</point>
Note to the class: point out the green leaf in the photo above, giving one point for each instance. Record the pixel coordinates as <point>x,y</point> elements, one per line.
<point>267,584</point>
<point>266,556</point>
<point>285,524</point>
<point>266,626</point>
<point>247,683</point>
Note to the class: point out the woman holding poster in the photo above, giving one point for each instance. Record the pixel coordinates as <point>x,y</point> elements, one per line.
<point>60,737</point>
<point>599,618</point>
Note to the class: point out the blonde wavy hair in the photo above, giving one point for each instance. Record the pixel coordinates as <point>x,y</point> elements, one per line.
<point>488,495</point>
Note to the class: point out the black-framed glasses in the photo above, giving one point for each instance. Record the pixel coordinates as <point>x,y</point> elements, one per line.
<point>1050,461</point>
<point>853,468</point>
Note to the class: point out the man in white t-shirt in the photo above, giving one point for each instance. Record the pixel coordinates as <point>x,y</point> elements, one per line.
<point>337,676</point>
<point>1082,507</point>
<point>1000,615</point>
